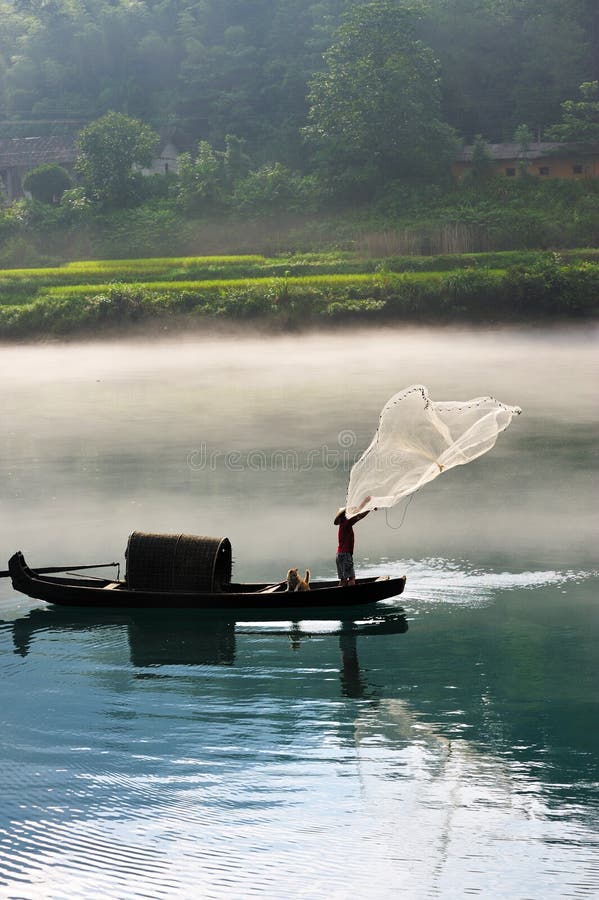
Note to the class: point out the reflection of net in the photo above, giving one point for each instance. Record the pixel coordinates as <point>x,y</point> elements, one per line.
<point>417,439</point>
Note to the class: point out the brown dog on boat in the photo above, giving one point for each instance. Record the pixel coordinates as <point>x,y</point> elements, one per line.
<point>295,583</point>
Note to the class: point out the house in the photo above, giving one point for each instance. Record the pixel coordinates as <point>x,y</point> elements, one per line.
<point>544,159</point>
<point>19,155</point>
<point>166,159</point>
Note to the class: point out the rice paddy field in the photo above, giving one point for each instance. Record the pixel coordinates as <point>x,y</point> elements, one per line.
<point>297,290</point>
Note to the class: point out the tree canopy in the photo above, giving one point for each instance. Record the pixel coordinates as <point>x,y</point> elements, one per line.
<point>109,150</point>
<point>359,91</point>
<point>218,67</point>
<point>376,107</point>
<point>580,118</point>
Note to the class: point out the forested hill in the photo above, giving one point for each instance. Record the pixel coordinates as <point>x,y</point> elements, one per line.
<point>250,67</point>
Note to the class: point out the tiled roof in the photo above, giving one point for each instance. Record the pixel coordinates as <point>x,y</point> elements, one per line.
<point>33,151</point>
<point>537,150</point>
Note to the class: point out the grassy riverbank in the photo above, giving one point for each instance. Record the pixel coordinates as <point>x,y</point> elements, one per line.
<point>297,291</point>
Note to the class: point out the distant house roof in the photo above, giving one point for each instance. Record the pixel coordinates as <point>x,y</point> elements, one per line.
<point>536,150</point>
<point>176,137</point>
<point>29,152</point>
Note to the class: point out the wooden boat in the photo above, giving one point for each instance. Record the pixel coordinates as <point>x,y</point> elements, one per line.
<point>66,590</point>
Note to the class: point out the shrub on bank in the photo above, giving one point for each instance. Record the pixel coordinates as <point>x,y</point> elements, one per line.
<point>551,288</point>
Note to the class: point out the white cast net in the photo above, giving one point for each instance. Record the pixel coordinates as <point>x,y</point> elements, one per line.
<point>418,438</point>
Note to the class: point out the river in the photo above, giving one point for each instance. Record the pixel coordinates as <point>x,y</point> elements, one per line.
<point>446,745</point>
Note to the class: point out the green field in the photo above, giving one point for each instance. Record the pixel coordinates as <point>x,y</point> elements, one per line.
<point>297,290</point>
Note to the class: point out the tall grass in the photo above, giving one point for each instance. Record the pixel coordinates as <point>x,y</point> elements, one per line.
<point>453,237</point>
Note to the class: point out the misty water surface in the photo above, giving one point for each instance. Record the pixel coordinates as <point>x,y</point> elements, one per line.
<point>174,756</point>
<point>245,436</point>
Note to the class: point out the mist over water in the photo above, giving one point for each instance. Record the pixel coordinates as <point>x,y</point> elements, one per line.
<point>449,750</point>
<point>239,435</point>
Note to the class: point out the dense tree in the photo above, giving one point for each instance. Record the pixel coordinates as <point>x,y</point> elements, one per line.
<point>580,118</point>
<point>241,66</point>
<point>375,108</point>
<point>504,62</point>
<point>254,68</point>
<point>245,68</point>
<point>109,149</point>
<point>211,67</point>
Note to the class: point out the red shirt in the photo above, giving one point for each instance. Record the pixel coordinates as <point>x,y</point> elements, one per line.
<point>346,537</point>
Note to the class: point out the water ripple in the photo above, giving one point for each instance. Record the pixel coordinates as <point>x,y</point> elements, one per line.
<point>458,763</point>
<point>448,581</point>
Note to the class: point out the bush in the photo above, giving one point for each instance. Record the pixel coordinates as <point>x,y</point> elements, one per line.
<point>273,188</point>
<point>477,293</point>
<point>16,250</point>
<point>551,288</point>
<point>200,177</point>
<point>47,183</point>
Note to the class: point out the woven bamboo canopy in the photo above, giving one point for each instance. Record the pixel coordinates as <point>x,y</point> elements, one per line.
<point>177,562</point>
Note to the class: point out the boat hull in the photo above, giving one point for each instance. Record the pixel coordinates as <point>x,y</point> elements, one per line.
<point>100,593</point>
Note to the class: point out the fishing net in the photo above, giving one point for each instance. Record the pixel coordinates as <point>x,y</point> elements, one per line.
<point>417,439</point>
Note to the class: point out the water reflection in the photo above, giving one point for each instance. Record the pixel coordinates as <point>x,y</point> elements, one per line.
<point>341,741</point>
<point>157,638</point>
<point>453,799</point>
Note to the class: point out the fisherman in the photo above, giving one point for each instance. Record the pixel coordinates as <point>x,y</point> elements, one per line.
<point>345,548</point>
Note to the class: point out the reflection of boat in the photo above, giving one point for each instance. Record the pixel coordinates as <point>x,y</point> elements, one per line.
<point>154,637</point>
<point>66,590</point>
<point>173,644</point>
<point>200,638</point>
